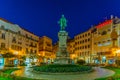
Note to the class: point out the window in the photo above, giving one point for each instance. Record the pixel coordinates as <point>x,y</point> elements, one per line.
<point>108,40</point>
<point>103,41</point>
<point>19,32</point>
<point>80,47</point>
<point>99,33</point>
<point>76,43</point>
<point>80,42</point>
<point>88,39</point>
<point>99,42</point>
<point>94,43</point>
<point>31,44</point>
<point>104,32</point>
<point>20,48</point>
<point>14,40</point>
<point>3,35</point>
<point>2,27</point>
<point>88,46</point>
<point>83,35</point>
<point>31,51</point>
<point>26,35</point>
<point>88,34</point>
<point>85,47</point>
<point>109,30</point>
<point>2,45</point>
<point>26,50</point>
<point>35,51</point>
<point>114,26</point>
<point>85,40</point>
<point>95,33</point>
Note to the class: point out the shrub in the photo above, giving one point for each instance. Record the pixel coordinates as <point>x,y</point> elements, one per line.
<point>81,62</point>
<point>10,65</point>
<point>23,64</point>
<point>117,62</point>
<point>32,63</point>
<point>61,68</point>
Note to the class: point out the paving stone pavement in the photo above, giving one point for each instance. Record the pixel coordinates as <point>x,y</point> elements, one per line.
<point>99,72</point>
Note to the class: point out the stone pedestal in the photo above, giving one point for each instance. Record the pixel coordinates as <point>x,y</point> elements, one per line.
<point>62,56</point>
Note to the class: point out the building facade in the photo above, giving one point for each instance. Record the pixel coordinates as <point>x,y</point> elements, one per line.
<point>16,40</point>
<point>102,43</point>
<point>71,49</point>
<point>83,45</point>
<point>45,49</point>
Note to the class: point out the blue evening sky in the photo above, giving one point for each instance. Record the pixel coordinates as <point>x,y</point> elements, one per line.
<point>41,16</point>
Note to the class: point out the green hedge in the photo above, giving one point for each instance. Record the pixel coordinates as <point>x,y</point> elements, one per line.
<point>62,68</point>
<point>10,65</point>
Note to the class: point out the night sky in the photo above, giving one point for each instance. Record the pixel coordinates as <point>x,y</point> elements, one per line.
<point>41,16</point>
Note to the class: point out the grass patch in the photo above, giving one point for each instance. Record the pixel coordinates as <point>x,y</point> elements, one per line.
<point>116,76</point>
<point>9,71</point>
<point>5,75</point>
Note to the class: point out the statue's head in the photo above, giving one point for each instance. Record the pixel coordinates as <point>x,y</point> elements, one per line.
<point>62,15</point>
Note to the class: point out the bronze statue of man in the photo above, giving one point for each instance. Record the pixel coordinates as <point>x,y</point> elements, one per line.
<point>63,23</point>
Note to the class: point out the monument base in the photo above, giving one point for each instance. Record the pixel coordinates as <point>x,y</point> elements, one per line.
<point>62,61</point>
